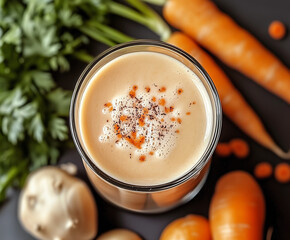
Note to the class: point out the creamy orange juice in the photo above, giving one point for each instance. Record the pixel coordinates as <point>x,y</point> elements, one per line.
<point>145,118</point>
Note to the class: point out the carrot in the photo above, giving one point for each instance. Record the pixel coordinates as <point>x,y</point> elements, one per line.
<point>191,227</point>
<point>237,209</point>
<point>217,32</point>
<point>234,105</point>
<point>223,150</point>
<point>282,172</point>
<point>269,233</point>
<point>277,30</point>
<point>263,170</point>
<point>239,147</point>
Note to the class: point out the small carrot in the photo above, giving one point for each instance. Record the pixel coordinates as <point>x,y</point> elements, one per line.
<point>239,147</point>
<point>282,172</point>
<point>237,209</point>
<point>234,105</point>
<point>223,150</point>
<point>217,32</point>
<point>191,227</point>
<point>277,30</point>
<point>263,170</point>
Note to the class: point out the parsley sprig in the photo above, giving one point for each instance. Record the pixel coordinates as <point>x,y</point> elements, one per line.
<point>36,38</point>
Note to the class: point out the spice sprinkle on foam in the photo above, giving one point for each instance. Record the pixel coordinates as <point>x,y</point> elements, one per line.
<point>143,121</point>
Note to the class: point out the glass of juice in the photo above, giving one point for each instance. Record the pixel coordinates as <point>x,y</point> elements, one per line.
<point>145,118</point>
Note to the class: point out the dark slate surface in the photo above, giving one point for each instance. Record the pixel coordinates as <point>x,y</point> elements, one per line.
<point>254,15</point>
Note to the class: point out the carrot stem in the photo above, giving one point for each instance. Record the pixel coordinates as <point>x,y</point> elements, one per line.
<point>156,2</point>
<point>110,32</point>
<point>7,179</point>
<point>96,35</point>
<point>83,56</point>
<point>147,17</point>
<point>162,29</point>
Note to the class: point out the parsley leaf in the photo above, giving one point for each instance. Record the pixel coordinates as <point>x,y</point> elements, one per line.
<point>58,128</point>
<point>37,37</point>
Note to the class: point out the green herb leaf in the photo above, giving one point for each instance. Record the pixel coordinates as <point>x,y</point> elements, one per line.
<point>43,81</point>
<point>59,101</point>
<point>58,128</point>
<point>36,128</point>
<point>13,101</point>
<point>36,37</point>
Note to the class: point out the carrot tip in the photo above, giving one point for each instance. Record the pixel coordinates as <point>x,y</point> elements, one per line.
<point>269,233</point>
<point>280,153</point>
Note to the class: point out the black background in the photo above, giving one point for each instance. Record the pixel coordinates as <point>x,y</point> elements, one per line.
<point>255,16</point>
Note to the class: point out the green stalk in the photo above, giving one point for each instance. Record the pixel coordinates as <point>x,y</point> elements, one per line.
<point>7,179</point>
<point>83,56</point>
<point>162,28</point>
<point>156,2</point>
<point>126,12</point>
<point>96,35</point>
<point>152,23</point>
<point>142,7</point>
<point>111,33</point>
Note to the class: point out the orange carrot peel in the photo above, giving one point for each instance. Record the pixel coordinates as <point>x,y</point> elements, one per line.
<point>218,33</point>
<point>237,209</point>
<point>234,105</point>
<point>282,172</point>
<point>277,30</point>
<point>223,150</point>
<point>263,170</point>
<point>191,227</point>
<point>239,147</point>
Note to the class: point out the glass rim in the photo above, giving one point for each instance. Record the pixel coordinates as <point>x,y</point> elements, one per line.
<point>205,156</point>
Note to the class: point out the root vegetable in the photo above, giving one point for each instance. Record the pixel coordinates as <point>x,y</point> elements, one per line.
<point>191,227</point>
<point>237,209</point>
<point>282,172</point>
<point>217,32</point>
<point>223,150</point>
<point>54,205</point>
<point>239,147</point>
<point>263,170</point>
<point>119,234</point>
<point>234,105</point>
<point>277,30</point>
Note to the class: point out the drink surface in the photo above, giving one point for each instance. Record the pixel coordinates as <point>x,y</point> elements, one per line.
<point>145,118</point>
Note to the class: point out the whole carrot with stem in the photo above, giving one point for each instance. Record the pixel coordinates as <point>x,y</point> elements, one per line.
<point>217,32</point>
<point>234,105</point>
<point>237,209</point>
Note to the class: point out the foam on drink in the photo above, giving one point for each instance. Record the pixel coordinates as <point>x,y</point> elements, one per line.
<point>143,121</point>
<point>145,118</point>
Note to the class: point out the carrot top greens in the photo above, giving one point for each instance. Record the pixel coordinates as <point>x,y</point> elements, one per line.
<point>36,38</point>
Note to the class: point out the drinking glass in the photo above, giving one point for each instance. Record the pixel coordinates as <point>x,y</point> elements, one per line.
<point>155,198</point>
